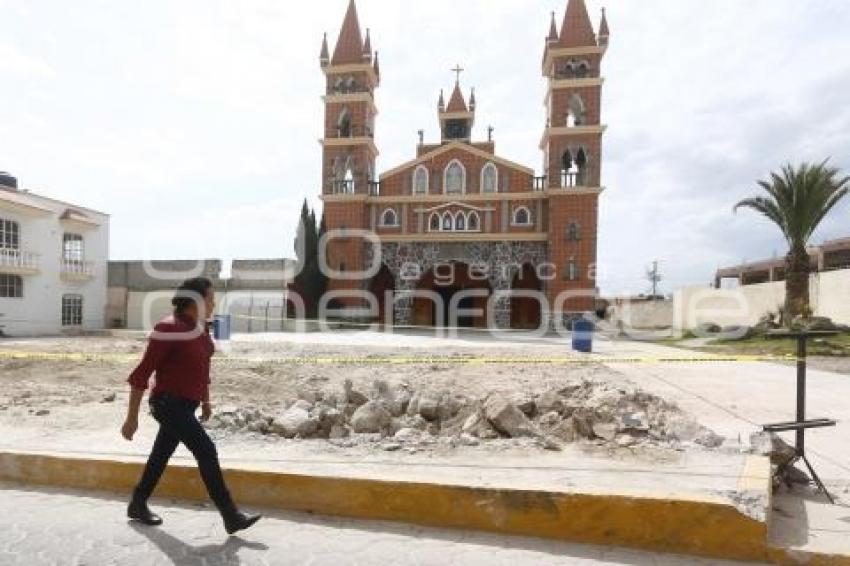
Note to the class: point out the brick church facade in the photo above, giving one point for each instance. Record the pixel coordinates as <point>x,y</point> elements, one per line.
<point>459,225</point>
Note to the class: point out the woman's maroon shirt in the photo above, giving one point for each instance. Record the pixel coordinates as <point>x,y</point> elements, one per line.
<point>181,363</point>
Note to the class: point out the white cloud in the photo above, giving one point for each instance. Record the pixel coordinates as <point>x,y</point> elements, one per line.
<point>196,123</point>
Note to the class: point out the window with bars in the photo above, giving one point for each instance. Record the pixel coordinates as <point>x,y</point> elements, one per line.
<point>72,248</point>
<point>11,286</point>
<point>10,237</point>
<point>72,310</point>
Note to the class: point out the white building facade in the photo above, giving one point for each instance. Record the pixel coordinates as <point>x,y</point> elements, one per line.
<point>53,264</point>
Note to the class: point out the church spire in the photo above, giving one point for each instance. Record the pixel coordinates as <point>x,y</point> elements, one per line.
<point>377,67</point>
<point>349,45</point>
<point>457,103</point>
<point>324,57</point>
<point>553,31</point>
<point>577,31</point>
<point>441,103</point>
<point>367,47</point>
<point>604,32</point>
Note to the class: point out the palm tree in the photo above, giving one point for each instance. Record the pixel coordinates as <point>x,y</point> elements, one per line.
<point>798,200</point>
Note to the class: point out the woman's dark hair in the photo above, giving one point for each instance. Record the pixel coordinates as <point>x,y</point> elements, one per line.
<point>185,294</point>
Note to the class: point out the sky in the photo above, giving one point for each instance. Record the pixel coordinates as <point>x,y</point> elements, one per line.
<point>195,123</point>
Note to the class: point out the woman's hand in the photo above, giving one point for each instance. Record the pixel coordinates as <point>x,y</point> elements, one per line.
<point>206,411</point>
<point>131,425</point>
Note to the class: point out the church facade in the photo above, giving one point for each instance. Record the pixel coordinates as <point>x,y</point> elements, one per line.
<point>459,235</point>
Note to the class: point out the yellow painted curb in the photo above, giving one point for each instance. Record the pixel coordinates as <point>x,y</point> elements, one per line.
<point>699,525</point>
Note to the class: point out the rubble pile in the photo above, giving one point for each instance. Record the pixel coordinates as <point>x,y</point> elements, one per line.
<point>397,416</point>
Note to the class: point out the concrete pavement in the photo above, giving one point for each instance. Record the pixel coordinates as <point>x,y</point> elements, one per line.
<point>49,527</point>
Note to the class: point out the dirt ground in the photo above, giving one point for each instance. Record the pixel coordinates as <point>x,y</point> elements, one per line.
<point>258,379</point>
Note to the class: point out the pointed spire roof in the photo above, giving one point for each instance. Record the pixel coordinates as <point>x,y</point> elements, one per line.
<point>553,30</point>
<point>324,56</point>
<point>576,31</point>
<point>441,103</point>
<point>367,46</point>
<point>457,102</point>
<point>603,27</point>
<point>377,66</point>
<point>349,46</point>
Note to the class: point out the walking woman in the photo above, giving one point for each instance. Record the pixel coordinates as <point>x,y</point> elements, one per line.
<point>179,351</point>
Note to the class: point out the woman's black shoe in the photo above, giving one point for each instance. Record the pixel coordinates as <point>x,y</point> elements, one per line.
<point>239,521</point>
<point>138,511</point>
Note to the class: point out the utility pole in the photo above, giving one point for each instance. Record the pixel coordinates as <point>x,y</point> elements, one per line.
<point>654,276</point>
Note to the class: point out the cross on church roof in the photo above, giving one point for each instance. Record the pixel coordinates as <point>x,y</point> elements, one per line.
<point>458,69</point>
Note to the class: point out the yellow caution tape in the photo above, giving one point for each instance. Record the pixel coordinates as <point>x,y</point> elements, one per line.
<point>401,360</point>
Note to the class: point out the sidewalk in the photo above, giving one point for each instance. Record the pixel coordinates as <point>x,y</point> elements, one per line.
<point>57,528</point>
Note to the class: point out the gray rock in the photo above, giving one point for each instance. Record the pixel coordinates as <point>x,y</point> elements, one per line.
<point>371,417</point>
<point>408,434</point>
<point>583,420</point>
<point>391,446</point>
<point>637,421</point>
<point>352,396</point>
<point>338,431</point>
<point>428,406</point>
<point>527,406</point>
<point>108,398</point>
<point>773,446</point>
<point>301,404</point>
<point>507,419</point>
<point>468,440</point>
<point>549,420</point>
<point>42,412</point>
<point>295,421</point>
<point>550,401</point>
<point>565,431</point>
<point>605,431</point>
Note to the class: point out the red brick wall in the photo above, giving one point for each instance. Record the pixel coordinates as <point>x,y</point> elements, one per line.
<point>564,209</point>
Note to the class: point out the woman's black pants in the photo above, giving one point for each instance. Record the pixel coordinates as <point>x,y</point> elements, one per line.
<point>178,423</point>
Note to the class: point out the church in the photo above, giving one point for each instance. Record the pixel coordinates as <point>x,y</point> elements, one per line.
<point>459,235</point>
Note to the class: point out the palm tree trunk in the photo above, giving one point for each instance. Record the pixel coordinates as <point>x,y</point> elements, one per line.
<point>797,283</point>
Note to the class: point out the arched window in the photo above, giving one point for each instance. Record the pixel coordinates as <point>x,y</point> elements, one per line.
<point>389,218</point>
<point>522,216</point>
<point>489,179</point>
<point>420,180</point>
<point>343,125</point>
<point>473,223</point>
<point>448,222</point>
<point>434,222</point>
<point>581,168</point>
<point>575,111</point>
<point>573,232</point>
<point>349,84</point>
<point>460,222</point>
<point>574,171</point>
<point>582,70</point>
<point>455,178</point>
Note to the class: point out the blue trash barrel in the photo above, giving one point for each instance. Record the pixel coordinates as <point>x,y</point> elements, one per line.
<point>583,335</point>
<point>221,327</point>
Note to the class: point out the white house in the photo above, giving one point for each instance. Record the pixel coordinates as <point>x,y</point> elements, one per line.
<point>53,264</point>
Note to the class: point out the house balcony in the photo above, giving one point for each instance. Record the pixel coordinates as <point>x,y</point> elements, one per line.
<point>16,262</point>
<point>73,270</point>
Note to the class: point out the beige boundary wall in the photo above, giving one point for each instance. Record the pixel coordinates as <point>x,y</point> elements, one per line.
<point>691,306</point>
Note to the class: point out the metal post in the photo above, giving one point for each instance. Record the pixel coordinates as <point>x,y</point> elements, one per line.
<point>800,444</point>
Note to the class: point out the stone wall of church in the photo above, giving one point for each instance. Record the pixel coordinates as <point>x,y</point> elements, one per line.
<point>409,262</point>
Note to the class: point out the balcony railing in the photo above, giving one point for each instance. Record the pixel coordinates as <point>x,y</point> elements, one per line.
<point>351,89</point>
<point>16,259</point>
<point>374,188</point>
<point>538,184</point>
<point>342,187</point>
<point>75,268</point>
<point>573,179</point>
<point>354,131</point>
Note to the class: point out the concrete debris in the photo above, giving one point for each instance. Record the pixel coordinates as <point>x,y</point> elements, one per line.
<point>584,411</point>
<point>371,418</point>
<point>507,418</point>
